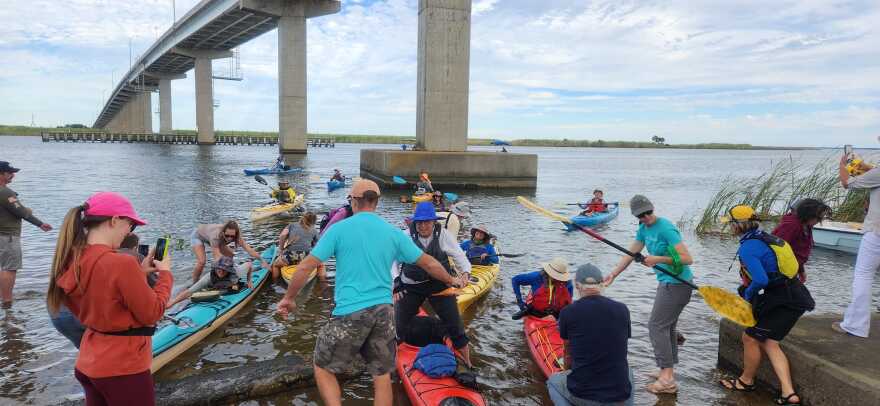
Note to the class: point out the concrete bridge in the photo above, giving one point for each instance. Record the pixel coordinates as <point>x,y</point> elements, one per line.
<point>210,31</point>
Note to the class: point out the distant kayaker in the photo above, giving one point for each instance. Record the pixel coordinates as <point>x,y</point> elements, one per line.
<point>215,235</point>
<point>862,176</point>
<point>424,183</point>
<point>438,201</point>
<point>296,241</point>
<point>338,176</point>
<point>334,216</point>
<point>11,214</point>
<point>796,227</point>
<point>596,331</point>
<point>224,276</point>
<point>551,290</point>
<point>361,325</point>
<point>283,193</point>
<point>413,285</point>
<point>279,162</point>
<point>479,248</point>
<point>108,292</point>
<point>778,301</point>
<point>596,204</point>
<point>665,247</point>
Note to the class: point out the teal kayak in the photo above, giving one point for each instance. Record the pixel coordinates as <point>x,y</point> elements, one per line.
<point>197,320</point>
<point>334,184</point>
<point>596,219</point>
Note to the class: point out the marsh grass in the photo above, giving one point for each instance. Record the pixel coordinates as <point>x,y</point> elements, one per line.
<point>772,193</point>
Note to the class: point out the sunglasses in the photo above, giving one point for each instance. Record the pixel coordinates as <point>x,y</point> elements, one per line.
<point>645,214</point>
<point>229,237</point>
<point>131,224</point>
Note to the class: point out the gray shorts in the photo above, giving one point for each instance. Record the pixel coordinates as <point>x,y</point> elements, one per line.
<point>196,239</point>
<point>368,332</point>
<point>10,252</point>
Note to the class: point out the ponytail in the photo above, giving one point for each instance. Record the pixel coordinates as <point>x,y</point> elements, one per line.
<point>307,221</point>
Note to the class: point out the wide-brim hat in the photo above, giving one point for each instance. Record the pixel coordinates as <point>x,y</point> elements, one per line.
<point>557,268</point>
<point>482,228</point>
<point>462,209</point>
<point>425,212</point>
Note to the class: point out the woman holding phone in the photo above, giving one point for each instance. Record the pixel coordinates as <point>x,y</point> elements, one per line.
<point>108,292</point>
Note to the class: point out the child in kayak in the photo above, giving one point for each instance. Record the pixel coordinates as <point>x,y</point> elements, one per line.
<point>337,175</point>
<point>297,241</point>
<point>551,290</point>
<point>284,193</point>
<point>595,205</point>
<point>479,248</point>
<point>223,276</point>
<point>424,183</point>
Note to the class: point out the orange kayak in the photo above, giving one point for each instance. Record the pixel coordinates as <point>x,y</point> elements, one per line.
<point>545,344</point>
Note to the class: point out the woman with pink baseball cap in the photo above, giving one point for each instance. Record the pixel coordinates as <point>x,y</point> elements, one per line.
<point>108,292</point>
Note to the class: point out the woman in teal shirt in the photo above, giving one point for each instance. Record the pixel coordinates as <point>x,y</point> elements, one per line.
<point>666,249</point>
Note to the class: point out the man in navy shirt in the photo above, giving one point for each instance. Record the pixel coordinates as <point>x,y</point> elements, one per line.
<point>595,330</point>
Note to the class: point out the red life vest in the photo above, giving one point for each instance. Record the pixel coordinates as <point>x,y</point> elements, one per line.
<point>551,298</point>
<point>596,205</point>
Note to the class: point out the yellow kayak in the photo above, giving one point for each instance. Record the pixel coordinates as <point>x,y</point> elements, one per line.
<point>276,208</point>
<point>288,271</point>
<point>482,279</point>
<point>421,198</point>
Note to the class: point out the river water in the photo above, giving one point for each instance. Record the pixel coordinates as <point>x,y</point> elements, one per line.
<point>176,187</point>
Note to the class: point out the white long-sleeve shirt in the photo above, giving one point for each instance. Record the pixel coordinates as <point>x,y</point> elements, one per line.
<point>449,246</point>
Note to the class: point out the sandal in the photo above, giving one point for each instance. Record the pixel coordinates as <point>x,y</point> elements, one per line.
<point>660,387</point>
<point>736,385</point>
<point>786,400</point>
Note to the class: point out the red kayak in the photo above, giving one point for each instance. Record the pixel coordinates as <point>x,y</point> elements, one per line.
<point>423,390</point>
<point>545,344</point>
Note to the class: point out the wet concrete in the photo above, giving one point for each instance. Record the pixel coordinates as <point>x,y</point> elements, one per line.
<point>828,368</point>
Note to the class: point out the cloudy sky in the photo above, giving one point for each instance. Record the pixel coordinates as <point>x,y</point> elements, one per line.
<point>779,72</point>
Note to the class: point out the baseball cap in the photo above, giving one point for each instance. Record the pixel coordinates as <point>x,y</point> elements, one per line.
<point>739,213</point>
<point>363,185</point>
<point>111,204</point>
<point>588,274</point>
<point>226,264</point>
<point>6,167</point>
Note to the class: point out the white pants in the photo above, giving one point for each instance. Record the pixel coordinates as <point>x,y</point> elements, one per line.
<point>857,319</point>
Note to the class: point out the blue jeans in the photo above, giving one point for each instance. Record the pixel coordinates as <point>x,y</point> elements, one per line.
<point>559,394</point>
<point>68,325</point>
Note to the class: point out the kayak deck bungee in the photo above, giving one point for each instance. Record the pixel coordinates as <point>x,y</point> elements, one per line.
<point>422,390</point>
<point>594,220</point>
<point>276,208</point>
<point>482,279</point>
<point>270,171</point>
<point>197,320</point>
<point>545,344</point>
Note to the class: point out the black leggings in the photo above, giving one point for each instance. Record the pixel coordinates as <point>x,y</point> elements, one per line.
<point>446,308</point>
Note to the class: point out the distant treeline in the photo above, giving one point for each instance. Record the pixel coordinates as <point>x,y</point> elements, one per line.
<point>396,139</point>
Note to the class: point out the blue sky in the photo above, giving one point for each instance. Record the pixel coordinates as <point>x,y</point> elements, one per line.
<point>766,73</point>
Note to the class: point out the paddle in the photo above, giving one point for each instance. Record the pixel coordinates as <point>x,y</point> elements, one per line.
<point>398,180</point>
<point>727,304</point>
<point>499,255</point>
<point>450,196</point>
<point>587,204</point>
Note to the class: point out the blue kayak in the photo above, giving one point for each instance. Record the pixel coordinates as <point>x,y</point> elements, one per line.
<point>271,171</point>
<point>596,219</point>
<point>334,184</point>
<point>197,320</point>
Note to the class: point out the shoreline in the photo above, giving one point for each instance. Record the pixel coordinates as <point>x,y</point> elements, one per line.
<point>397,140</point>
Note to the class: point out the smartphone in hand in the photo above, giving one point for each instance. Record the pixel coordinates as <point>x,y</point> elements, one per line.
<point>144,249</point>
<point>161,248</point>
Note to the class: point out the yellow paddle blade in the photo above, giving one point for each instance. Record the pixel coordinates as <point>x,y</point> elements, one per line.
<point>540,210</point>
<point>728,305</point>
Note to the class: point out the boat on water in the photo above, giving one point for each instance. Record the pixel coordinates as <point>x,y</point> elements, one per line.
<point>596,219</point>
<point>834,235</point>
<point>274,209</point>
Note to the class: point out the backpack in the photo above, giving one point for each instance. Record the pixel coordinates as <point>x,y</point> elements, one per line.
<point>785,259</point>
<point>436,361</point>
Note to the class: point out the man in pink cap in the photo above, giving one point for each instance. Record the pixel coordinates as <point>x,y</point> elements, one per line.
<point>362,323</point>
<point>11,214</point>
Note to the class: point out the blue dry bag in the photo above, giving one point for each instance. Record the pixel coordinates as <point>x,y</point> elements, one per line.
<point>436,361</point>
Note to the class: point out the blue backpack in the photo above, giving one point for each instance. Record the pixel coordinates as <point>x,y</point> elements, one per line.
<point>436,361</point>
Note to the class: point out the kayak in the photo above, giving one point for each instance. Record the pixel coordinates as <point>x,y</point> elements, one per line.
<point>422,390</point>
<point>271,171</point>
<point>421,198</point>
<point>276,208</point>
<point>197,320</point>
<point>334,184</point>
<point>545,344</point>
<point>594,220</point>
<point>482,278</point>
<point>288,271</point>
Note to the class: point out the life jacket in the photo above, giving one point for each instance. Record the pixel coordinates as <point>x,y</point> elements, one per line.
<point>786,261</point>
<point>224,283</point>
<point>474,253</point>
<point>284,195</point>
<point>436,361</point>
<point>596,205</point>
<point>416,273</point>
<point>326,219</point>
<point>551,298</point>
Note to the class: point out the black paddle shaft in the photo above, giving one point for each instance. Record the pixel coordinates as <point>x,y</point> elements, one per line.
<point>637,256</point>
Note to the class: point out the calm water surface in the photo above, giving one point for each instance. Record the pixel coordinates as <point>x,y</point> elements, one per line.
<point>177,187</point>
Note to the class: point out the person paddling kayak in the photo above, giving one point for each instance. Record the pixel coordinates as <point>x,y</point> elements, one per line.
<point>551,290</point>
<point>283,193</point>
<point>596,204</point>
<point>424,183</point>
<point>479,248</point>
<point>338,176</point>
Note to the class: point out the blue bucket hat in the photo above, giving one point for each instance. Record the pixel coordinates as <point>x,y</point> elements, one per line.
<point>425,212</point>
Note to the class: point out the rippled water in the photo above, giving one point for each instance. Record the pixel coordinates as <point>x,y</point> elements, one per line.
<point>176,187</point>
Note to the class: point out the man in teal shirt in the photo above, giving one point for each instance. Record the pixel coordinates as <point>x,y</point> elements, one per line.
<point>362,322</point>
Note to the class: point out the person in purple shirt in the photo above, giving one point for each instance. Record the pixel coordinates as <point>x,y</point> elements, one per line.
<point>796,227</point>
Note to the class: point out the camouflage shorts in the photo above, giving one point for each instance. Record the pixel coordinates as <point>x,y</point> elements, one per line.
<point>368,332</point>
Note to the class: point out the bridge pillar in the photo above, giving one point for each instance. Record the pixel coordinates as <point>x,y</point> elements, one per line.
<point>145,115</point>
<point>204,100</point>
<point>165,106</point>
<point>292,109</point>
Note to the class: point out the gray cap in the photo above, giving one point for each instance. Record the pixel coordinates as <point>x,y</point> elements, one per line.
<point>588,274</point>
<point>640,204</point>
